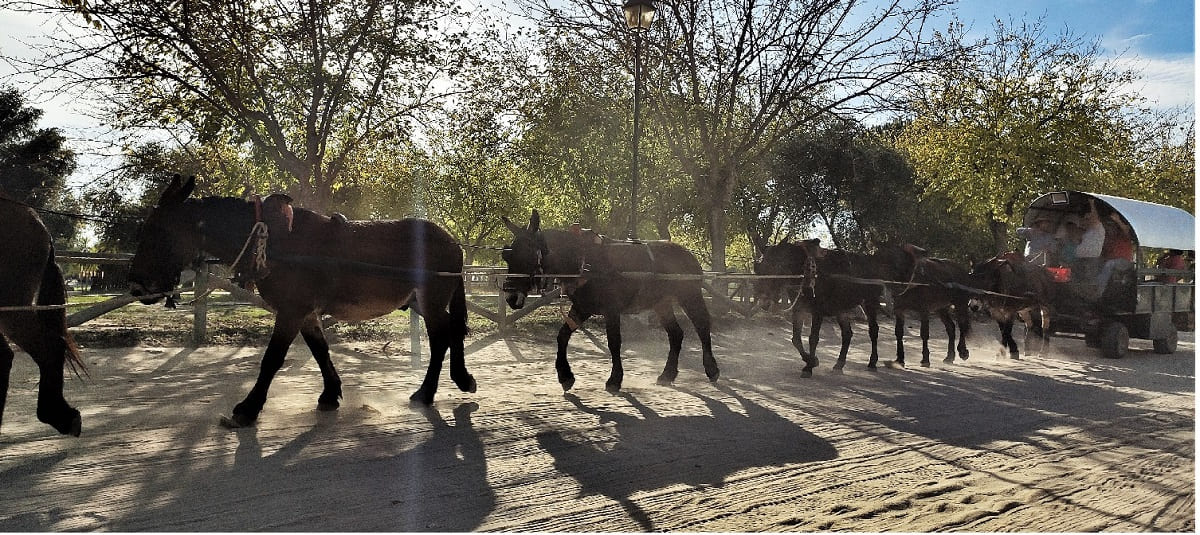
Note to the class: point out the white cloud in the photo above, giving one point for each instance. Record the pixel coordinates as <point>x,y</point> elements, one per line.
<point>1168,81</point>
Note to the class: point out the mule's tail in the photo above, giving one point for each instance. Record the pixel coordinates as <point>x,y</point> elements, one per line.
<point>53,291</point>
<point>458,310</point>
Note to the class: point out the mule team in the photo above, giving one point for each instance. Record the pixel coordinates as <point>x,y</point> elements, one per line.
<point>307,265</point>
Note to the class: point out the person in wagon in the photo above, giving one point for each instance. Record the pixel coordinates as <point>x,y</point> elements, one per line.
<point>1042,245</point>
<point>1088,250</point>
<point>1174,259</point>
<point>1117,250</point>
<point>1069,235</point>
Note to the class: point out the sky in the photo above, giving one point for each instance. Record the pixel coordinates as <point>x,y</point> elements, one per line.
<point>1155,37</point>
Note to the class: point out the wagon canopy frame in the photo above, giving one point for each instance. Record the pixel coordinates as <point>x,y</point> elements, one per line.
<point>1154,225</point>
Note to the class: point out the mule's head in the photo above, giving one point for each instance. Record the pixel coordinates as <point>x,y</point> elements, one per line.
<point>524,257</point>
<point>897,260</point>
<point>169,240</point>
<point>797,258</point>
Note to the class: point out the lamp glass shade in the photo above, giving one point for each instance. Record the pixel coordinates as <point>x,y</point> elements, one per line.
<point>639,14</point>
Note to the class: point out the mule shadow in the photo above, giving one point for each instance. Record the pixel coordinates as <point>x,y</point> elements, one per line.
<point>1014,406</point>
<point>652,451</point>
<point>323,480</point>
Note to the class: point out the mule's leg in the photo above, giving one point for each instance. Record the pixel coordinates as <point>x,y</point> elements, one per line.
<point>314,337</point>
<point>575,318</point>
<point>924,339</point>
<point>900,338</point>
<point>666,318</point>
<point>1006,338</point>
<point>437,326</point>
<point>693,305</point>
<point>810,358</point>
<point>287,326</point>
<point>612,328</point>
<point>458,334</point>
<point>1027,319</point>
<point>6,360</point>
<point>871,308</point>
<point>49,350</point>
<point>963,319</point>
<point>1045,314</point>
<point>948,322</point>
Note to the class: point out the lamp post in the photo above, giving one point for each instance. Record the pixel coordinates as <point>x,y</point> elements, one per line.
<point>639,14</point>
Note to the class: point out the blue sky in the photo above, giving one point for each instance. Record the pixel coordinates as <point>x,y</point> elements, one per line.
<point>1157,37</point>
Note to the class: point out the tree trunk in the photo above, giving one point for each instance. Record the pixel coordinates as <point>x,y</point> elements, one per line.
<point>717,235</point>
<point>999,233</point>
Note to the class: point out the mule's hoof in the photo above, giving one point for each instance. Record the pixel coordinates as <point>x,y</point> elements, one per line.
<point>925,364</point>
<point>872,368</point>
<point>567,382</point>
<point>325,406</point>
<point>838,371</point>
<point>236,421</point>
<point>468,385</point>
<point>964,355</point>
<point>73,428</point>
<point>713,374</point>
<point>421,398</point>
<point>948,360</point>
<point>663,381</point>
<point>1015,357</point>
<point>612,387</point>
<point>806,374</point>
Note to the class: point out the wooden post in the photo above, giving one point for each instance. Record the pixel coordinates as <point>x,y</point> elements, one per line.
<point>200,308</point>
<point>501,311</point>
<point>414,336</point>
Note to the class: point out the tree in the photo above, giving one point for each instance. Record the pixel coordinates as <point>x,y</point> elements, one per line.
<point>1022,116</point>
<point>34,165</point>
<point>307,85</point>
<point>727,80</point>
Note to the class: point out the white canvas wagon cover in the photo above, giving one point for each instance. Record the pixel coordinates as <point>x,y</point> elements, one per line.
<point>1154,225</point>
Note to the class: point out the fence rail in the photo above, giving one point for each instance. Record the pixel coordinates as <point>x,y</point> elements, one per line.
<point>726,292</point>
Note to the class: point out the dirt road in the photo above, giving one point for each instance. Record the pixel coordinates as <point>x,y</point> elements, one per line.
<point>1067,442</point>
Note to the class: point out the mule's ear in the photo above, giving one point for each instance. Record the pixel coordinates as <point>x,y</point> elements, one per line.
<point>171,193</point>
<point>277,211</point>
<point>512,227</point>
<point>535,221</point>
<point>188,186</point>
<point>915,251</point>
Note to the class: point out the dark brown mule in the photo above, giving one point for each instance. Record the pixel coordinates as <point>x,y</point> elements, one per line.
<point>351,270</point>
<point>29,276</point>
<point>610,286</point>
<point>831,283</point>
<point>1012,288</point>
<point>927,285</point>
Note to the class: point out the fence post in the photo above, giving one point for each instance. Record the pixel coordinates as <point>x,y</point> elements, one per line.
<point>501,312</point>
<point>414,336</point>
<point>200,307</point>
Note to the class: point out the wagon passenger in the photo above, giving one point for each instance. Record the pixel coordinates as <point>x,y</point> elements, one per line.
<point>1069,235</point>
<point>1174,259</point>
<point>1042,247</point>
<point>1091,244</point>
<point>1117,252</point>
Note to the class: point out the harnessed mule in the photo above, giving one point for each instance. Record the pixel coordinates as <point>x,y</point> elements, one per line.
<point>838,287</point>
<point>29,276</point>
<point>926,285</point>
<point>313,265</point>
<point>607,286</point>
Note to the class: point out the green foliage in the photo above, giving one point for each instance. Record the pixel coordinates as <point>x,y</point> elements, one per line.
<point>1022,116</point>
<point>34,165</point>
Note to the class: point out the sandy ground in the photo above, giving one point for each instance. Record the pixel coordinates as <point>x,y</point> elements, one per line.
<point>1067,442</point>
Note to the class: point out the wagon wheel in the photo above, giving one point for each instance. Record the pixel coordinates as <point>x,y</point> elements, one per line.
<point>1166,345</point>
<point>1114,340</point>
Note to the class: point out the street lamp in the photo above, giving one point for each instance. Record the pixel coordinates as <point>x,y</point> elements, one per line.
<point>639,14</point>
